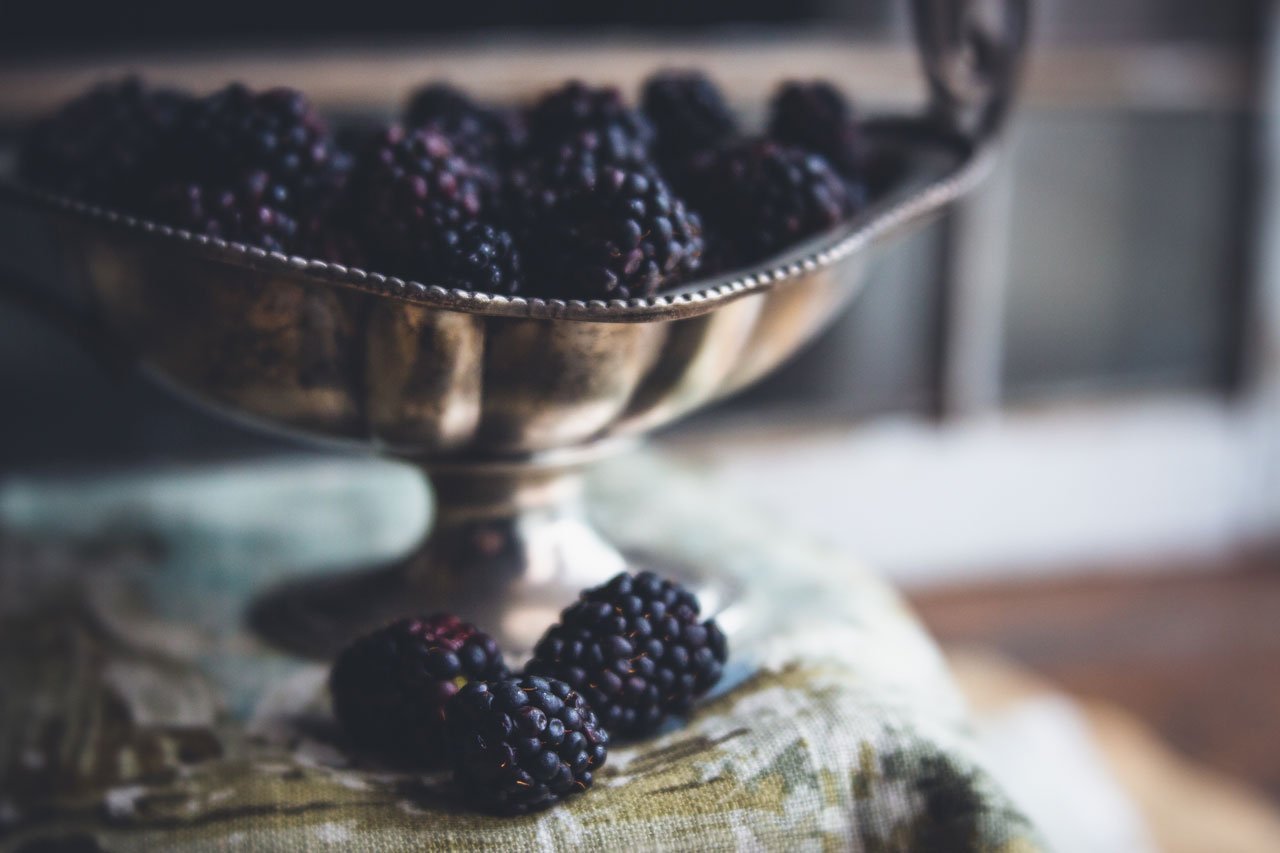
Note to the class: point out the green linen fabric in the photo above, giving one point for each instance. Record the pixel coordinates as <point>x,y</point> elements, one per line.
<point>137,714</point>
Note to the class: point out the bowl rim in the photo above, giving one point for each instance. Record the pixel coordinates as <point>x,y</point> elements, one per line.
<point>880,218</point>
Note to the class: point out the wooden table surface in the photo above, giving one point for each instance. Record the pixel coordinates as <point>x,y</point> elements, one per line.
<point>1193,652</point>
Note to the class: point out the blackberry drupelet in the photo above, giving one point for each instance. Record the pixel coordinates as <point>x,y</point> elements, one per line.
<point>477,256</point>
<point>636,651</point>
<point>576,111</point>
<point>607,147</point>
<point>689,113</point>
<point>243,212</point>
<point>523,744</point>
<point>105,145</point>
<point>487,135</point>
<point>332,241</point>
<point>445,105</point>
<point>760,197</point>
<point>276,131</point>
<point>408,188</point>
<point>596,231</point>
<point>816,116</point>
<point>390,687</point>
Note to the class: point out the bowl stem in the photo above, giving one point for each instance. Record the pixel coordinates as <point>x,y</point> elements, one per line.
<point>509,548</point>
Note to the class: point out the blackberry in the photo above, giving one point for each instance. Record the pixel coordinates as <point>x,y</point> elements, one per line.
<point>492,136</point>
<point>577,111</point>
<point>597,231</point>
<point>276,131</point>
<point>720,255</point>
<point>761,197</point>
<point>390,687</point>
<point>244,212</point>
<point>406,189</point>
<point>689,113</point>
<point>477,256</point>
<point>523,744</point>
<point>636,651</point>
<point>331,241</point>
<point>610,146</point>
<point>104,145</point>
<point>817,116</point>
<point>444,103</point>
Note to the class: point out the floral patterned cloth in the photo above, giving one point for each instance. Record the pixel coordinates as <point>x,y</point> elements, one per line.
<point>137,714</point>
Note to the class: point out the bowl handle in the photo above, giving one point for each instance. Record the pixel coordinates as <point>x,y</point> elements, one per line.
<point>972,55</point>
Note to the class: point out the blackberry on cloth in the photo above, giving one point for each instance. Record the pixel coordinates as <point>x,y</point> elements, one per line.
<point>390,687</point>
<point>635,649</point>
<point>523,744</point>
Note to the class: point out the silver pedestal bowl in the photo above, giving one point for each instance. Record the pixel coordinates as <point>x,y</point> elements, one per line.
<point>502,401</point>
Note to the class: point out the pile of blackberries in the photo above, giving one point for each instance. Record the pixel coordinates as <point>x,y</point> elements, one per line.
<point>580,195</point>
<point>621,660</point>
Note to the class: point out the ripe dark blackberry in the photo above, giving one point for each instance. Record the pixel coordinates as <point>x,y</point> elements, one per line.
<point>390,687</point>
<point>477,256</point>
<point>491,136</point>
<point>761,197</point>
<point>406,189</point>
<point>565,115</point>
<point>523,744</point>
<point>817,116</point>
<point>601,232</point>
<point>607,147</point>
<point>636,651</point>
<point>331,241</point>
<point>104,146</point>
<point>243,212</point>
<point>276,131</point>
<point>689,113</point>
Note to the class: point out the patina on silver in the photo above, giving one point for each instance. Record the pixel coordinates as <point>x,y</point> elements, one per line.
<point>503,401</point>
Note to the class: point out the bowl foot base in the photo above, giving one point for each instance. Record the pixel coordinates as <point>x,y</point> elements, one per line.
<point>315,617</point>
<point>510,547</point>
